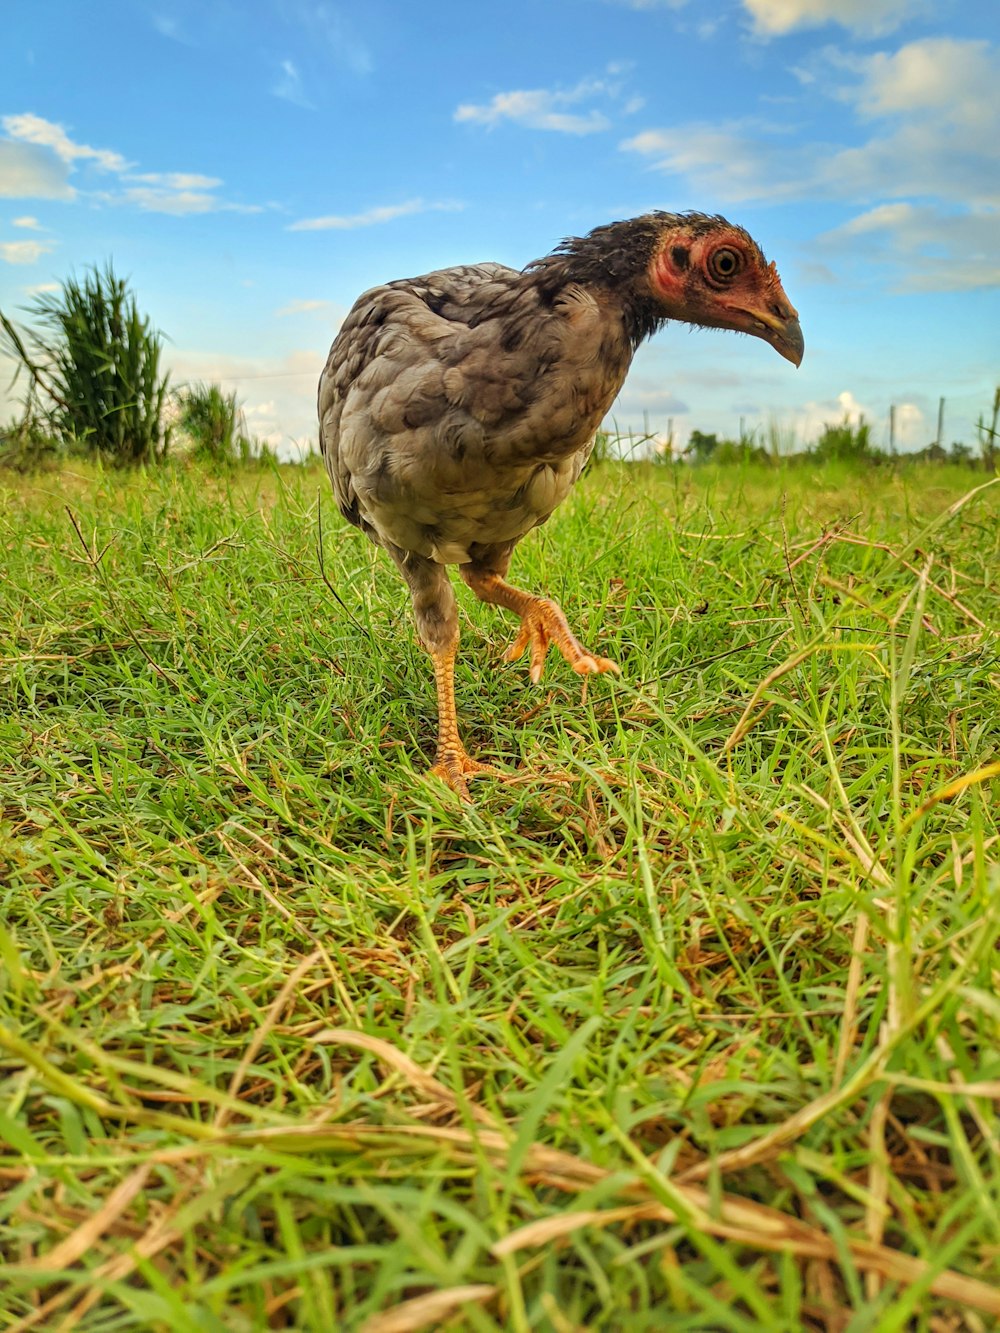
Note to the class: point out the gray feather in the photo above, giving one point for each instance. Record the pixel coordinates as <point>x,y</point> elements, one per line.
<point>457,409</point>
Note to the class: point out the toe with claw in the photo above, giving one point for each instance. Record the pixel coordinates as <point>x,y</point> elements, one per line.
<point>457,769</point>
<point>543,623</point>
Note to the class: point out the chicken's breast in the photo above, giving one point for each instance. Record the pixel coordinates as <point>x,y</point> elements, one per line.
<point>458,408</point>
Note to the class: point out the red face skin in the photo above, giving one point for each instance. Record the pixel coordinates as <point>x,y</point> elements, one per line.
<point>720,279</point>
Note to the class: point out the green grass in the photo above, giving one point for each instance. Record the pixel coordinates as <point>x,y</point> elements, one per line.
<point>694,1027</point>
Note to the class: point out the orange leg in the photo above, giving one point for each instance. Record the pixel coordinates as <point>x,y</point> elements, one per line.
<point>453,765</point>
<point>542,623</point>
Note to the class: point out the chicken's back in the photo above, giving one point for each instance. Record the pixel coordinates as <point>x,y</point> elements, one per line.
<point>458,408</point>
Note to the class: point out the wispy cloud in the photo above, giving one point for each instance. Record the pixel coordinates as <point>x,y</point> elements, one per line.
<point>177,203</point>
<point>926,161</point>
<point>731,160</point>
<point>175,180</point>
<point>24,252</point>
<point>288,86</point>
<point>30,172</point>
<point>925,247</point>
<point>938,117</point>
<point>373,216</point>
<point>946,77</point>
<point>33,129</point>
<point>326,37</point>
<point>177,193</point>
<point>939,134</point>
<point>38,156</point>
<point>28,223</point>
<point>777,17</point>
<point>537,110</point>
<point>547,108</point>
<point>333,30</point>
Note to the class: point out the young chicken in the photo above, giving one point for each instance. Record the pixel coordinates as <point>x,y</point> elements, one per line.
<point>458,409</point>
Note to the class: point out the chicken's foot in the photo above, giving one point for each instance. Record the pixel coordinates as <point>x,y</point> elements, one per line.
<point>454,765</point>
<point>542,623</point>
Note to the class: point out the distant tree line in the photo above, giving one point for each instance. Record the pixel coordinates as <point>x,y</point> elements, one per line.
<point>849,442</point>
<point>843,441</point>
<point>94,386</point>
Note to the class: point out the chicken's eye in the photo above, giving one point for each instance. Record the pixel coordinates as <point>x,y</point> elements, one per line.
<point>724,263</point>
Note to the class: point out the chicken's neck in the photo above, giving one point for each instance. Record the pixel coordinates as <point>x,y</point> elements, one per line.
<point>614,259</point>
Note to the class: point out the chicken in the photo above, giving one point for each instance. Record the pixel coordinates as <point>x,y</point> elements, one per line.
<point>458,409</point>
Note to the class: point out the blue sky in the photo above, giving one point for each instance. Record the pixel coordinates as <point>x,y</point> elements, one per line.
<point>253,167</point>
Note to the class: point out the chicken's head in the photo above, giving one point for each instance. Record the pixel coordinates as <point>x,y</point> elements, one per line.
<point>706,271</point>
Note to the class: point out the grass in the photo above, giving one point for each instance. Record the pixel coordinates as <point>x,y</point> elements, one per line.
<point>694,1027</point>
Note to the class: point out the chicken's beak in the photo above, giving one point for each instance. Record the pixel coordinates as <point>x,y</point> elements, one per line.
<point>783,332</point>
<point>788,340</point>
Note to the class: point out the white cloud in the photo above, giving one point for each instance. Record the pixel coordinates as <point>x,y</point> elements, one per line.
<point>928,249</point>
<point>776,17</point>
<point>29,223</point>
<point>175,180</point>
<point>806,423</point>
<point>733,160</point>
<point>915,160</point>
<point>845,407</point>
<point>24,252</point>
<point>29,172</point>
<point>911,428</point>
<point>177,193</point>
<point>938,100</point>
<point>536,109</point>
<point>748,160</point>
<point>373,216</point>
<point>176,203</point>
<point>546,109</point>
<point>33,129</point>
<point>946,77</point>
<point>35,162</point>
<point>928,130</point>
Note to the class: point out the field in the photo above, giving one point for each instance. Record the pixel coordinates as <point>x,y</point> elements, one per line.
<point>693,1025</point>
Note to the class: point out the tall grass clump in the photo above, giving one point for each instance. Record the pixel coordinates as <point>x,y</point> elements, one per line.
<point>214,424</point>
<point>843,441</point>
<point>93,363</point>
